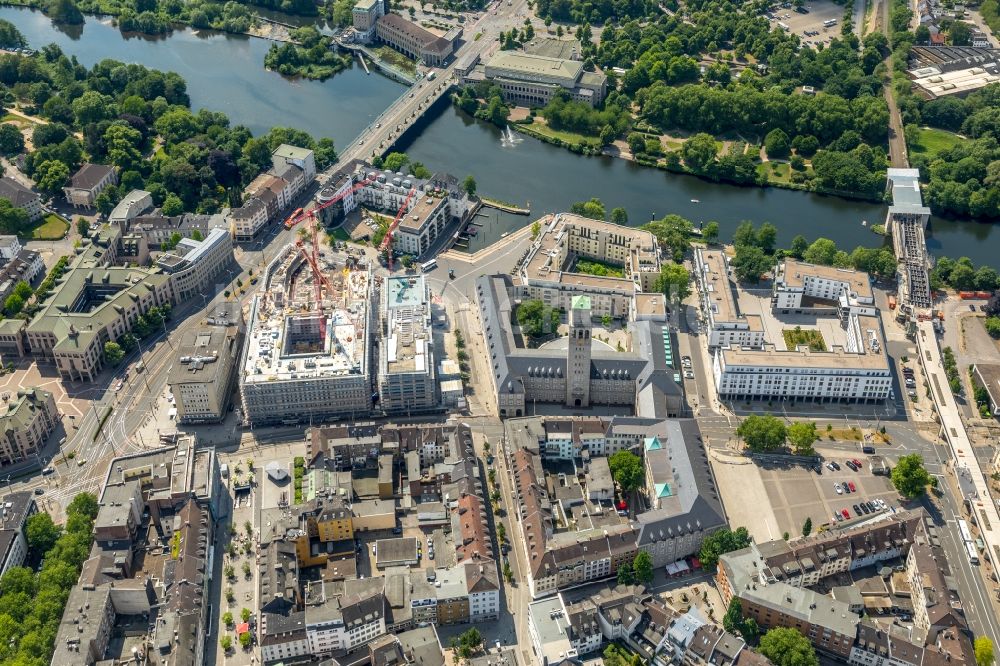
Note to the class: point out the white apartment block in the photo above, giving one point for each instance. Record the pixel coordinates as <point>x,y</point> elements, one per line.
<point>849,290</point>
<point>10,247</point>
<point>725,324</point>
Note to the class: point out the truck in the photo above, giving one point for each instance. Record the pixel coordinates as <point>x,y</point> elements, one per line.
<point>892,302</point>
<point>431,75</point>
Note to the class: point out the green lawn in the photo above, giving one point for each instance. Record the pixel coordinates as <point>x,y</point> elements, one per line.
<point>393,57</point>
<point>935,141</point>
<point>339,234</point>
<point>599,268</point>
<point>565,137</point>
<point>50,227</point>
<point>799,336</point>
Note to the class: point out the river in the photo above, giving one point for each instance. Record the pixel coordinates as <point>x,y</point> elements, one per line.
<point>225,73</point>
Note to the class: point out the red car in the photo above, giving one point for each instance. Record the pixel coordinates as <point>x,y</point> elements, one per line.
<point>856,462</point>
<point>850,484</point>
<point>846,514</point>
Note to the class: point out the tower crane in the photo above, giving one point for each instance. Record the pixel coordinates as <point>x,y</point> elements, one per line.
<point>387,240</point>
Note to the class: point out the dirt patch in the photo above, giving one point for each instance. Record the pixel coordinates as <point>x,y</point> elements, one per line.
<point>519,113</point>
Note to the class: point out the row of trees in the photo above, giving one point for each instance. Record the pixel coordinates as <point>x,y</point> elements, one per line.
<point>756,253</point>
<point>32,603</point>
<point>124,112</point>
<point>766,433</point>
<point>145,325</point>
<point>963,275</point>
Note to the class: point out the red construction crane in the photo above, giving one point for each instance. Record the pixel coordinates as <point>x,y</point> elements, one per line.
<point>386,245</point>
<point>300,215</point>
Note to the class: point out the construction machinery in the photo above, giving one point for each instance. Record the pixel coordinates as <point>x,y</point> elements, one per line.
<point>386,245</point>
<point>300,215</point>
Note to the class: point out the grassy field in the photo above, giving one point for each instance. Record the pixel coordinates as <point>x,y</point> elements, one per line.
<point>798,336</point>
<point>393,57</point>
<point>50,227</point>
<point>935,141</point>
<point>565,137</point>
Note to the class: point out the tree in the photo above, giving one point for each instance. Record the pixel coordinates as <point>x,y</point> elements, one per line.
<point>226,641</point>
<point>246,640</point>
<point>82,227</point>
<point>396,161</point>
<point>777,144</point>
<point>626,469</point>
<point>710,232</point>
<point>984,651</point>
<point>172,206</point>
<point>762,433</point>
<point>84,504</point>
<point>674,278</point>
<point>469,185</point>
<point>113,352</point>
<point>227,618</point>
<point>721,542</point>
<point>536,318</point>
<point>468,643</point>
<point>787,647</point>
<point>626,575</point>
<point>750,263</point>
<point>619,216</point>
<point>699,152</point>
<point>642,565</point>
<point>807,527</point>
<point>11,139</point>
<point>245,614</point>
<point>799,246</point>
<point>42,533</point>
<point>822,252</point>
<point>50,176</point>
<point>734,622</point>
<point>909,476</point>
<point>594,209</point>
<point>536,228</point>
<point>13,305</point>
<point>802,435</point>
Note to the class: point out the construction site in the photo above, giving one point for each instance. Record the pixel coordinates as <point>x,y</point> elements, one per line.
<point>308,355</point>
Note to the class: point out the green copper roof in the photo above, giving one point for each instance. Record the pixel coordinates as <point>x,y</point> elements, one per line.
<point>653,444</point>
<point>662,490</point>
<point>580,302</point>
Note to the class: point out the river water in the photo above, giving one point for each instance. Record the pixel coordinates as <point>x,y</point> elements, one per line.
<point>225,73</point>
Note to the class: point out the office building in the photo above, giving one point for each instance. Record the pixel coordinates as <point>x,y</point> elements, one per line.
<point>365,15</point>
<point>158,229</point>
<point>528,79</point>
<point>132,205</point>
<point>302,362</point>
<point>93,303</point>
<point>15,509</point>
<point>28,420</point>
<point>725,324</point>
<point>202,377</point>
<point>196,266</point>
<point>407,368</point>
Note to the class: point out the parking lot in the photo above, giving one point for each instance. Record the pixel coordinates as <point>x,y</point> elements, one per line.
<point>812,22</point>
<point>797,493</point>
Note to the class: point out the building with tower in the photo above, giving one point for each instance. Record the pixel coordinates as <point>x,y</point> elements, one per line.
<point>578,353</point>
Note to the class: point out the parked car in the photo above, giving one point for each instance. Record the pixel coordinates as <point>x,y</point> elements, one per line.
<point>857,509</point>
<point>850,484</point>
<point>846,514</point>
<point>850,463</point>
<point>865,509</point>
<point>839,488</point>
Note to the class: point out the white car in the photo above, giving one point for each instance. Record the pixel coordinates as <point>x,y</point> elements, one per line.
<point>839,488</point>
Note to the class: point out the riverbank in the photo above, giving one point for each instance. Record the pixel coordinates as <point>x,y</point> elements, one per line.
<point>590,146</point>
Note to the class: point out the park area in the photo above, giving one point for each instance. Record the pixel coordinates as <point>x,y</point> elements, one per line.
<point>931,142</point>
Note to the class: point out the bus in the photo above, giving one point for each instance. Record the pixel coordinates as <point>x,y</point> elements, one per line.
<point>971,550</point>
<point>429,265</point>
<point>963,529</point>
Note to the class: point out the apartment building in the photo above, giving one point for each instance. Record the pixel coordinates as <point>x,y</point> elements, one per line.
<point>725,324</point>
<point>432,206</point>
<point>248,219</point>
<point>195,266</point>
<point>270,193</point>
<point>92,304</point>
<point>414,41</point>
<point>88,183</point>
<point>343,622</point>
<point>26,423</point>
<point>21,197</point>
<point>15,509</point>
<point>202,377</point>
<point>303,159</point>
<point>847,290</point>
<point>158,229</point>
<point>10,247</point>
<point>407,368</point>
<point>167,500</point>
<point>830,625</point>
<point>25,266</point>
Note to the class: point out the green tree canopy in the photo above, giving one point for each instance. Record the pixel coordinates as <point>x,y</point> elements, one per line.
<point>42,533</point>
<point>762,433</point>
<point>750,263</point>
<point>642,565</point>
<point>113,352</point>
<point>11,139</point>
<point>802,435</point>
<point>710,232</point>
<point>984,651</point>
<point>594,209</point>
<point>910,477</point>
<point>721,542</point>
<point>536,318</point>
<point>469,185</point>
<point>626,469</point>
<point>787,647</point>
